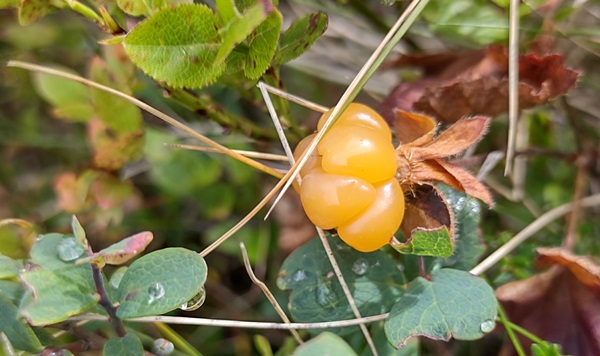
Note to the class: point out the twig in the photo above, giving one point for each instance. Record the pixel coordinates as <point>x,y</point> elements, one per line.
<point>295,99</point>
<point>519,173</point>
<point>251,154</point>
<point>267,292</point>
<point>278,128</point>
<point>180,320</point>
<point>513,82</point>
<point>105,302</point>
<point>531,229</point>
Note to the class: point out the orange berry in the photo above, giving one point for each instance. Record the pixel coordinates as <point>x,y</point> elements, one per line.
<point>358,152</point>
<point>374,227</point>
<point>314,161</point>
<point>331,199</point>
<point>359,115</point>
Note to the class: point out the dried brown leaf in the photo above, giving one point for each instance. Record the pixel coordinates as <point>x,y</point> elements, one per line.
<point>413,128</point>
<point>457,138</point>
<point>426,209</point>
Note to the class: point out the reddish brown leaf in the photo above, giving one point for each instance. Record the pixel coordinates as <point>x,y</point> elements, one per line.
<point>426,209</point>
<point>413,128</point>
<point>455,139</point>
<point>111,149</point>
<point>557,305</point>
<point>476,84</point>
<point>467,182</point>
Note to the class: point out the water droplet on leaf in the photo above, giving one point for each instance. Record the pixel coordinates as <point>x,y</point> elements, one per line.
<point>155,292</point>
<point>162,347</point>
<point>299,275</point>
<point>360,266</point>
<point>487,326</point>
<point>69,249</point>
<point>196,301</point>
<point>325,296</point>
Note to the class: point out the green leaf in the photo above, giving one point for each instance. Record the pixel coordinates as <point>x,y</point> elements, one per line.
<point>546,349</point>
<point>160,282</point>
<point>128,345</point>
<point>316,295</point>
<point>452,304</point>
<point>20,334</point>
<point>12,290</point>
<point>384,348</point>
<point>226,10</point>
<point>58,294</point>
<point>44,252</point>
<point>5,4</point>
<point>427,243</point>
<point>179,172</point>
<point>32,10</point>
<point>79,232</point>
<point>9,268</point>
<point>468,245</point>
<point>325,344</point>
<point>70,99</point>
<point>118,114</point>
<point>121,251</point>
<point>134,7</point>
<point>178,46</point>
<point>300,36</point>
<point>262,46</point>
<point>239,28</point>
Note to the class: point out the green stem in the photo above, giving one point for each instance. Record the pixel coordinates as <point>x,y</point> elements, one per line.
<point>525,333</point>
<point>180,343</point>
<point>203,103</point>
<point>509,330</point>
<point>85,11</point>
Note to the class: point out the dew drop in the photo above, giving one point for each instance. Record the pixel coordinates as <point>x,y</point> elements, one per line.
<point>325,296</point>
<point>299,275</point>
<point>155,292</point>
<point>196,301</point>
<point>487,326</point>
<point>69,249</point>
<point>360,266</point>
<point>162,347</point>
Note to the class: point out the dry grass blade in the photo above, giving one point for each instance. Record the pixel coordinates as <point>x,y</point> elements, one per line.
<point>293,98</point>
<point>251,154</point>
<point>267,292</point>
<point>513,81</point>
<point>140,104</point>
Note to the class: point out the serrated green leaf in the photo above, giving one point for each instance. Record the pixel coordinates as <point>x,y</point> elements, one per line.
<point>262,46</point>
<point>128,345</point>
<point>160,282</point>
<point>238,28</point>
<point>32,10</point>
<point>58,294</point>
<point>118,114</point>
<point>122,251</point>
<point>134,7</point>
<point>226,10</point>
<point>468,245</point>
<point>20,335</point>
<point>70,99</point>
<point>428,243</point>
<point>178,46</point>
<point>44,252</point>
<point>9,268</point>
<point>452,304</point>
<point>300,36</point>
<point>315,294</point>
<point>325,344</point>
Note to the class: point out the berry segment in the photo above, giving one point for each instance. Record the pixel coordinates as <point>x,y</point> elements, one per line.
<point>348,182</point>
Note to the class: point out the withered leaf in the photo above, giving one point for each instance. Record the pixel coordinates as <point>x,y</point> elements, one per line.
<point>560,305</point>
<point>477,84</point>
<point>427,210</point>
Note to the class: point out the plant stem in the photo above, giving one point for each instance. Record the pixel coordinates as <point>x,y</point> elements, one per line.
<point>525,333</point>
<point>509,330</point>
<point>105,302</point>
<point>422,270</point>
<point>179,342</point>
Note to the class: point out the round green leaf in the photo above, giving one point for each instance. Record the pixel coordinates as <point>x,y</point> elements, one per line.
<point>325,344</point>
<point>8,267</point>
<point>128,345</point>
<point>452,304</point>
<point>160,282</point>
<point>178,46</point>
<point>316,295</point>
